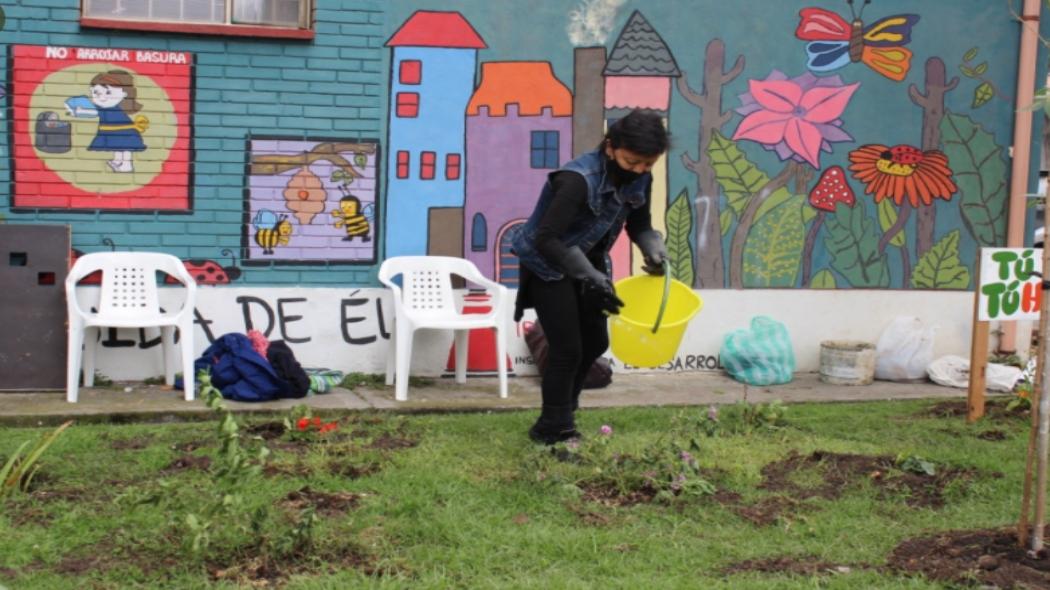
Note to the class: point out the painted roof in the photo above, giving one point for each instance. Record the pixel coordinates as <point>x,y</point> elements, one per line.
<point>640,51</point>
<point>430,28</point>
<point>530,85</point>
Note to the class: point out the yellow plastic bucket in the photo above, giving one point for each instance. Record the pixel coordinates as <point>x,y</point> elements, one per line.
<point>634,341</point>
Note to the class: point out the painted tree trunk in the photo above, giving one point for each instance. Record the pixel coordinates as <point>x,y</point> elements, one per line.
<point>710,271</point>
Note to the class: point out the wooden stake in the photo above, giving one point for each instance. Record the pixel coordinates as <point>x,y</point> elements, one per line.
<point>978,356</point>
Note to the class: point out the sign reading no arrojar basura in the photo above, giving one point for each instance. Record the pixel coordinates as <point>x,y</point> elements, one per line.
<point>1010,289</point>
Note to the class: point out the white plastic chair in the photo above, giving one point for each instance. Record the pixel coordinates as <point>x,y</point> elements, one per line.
<point>425,300</point>
<point>128,299</point>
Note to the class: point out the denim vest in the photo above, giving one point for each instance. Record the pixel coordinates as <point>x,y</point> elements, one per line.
<point>607,210</point>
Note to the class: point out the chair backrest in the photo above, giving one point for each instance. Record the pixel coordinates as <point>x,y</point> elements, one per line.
<point>129,280</point>
<point>426,281</point>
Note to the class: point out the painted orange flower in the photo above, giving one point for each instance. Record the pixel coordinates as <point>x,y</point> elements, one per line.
<point>901,172</point>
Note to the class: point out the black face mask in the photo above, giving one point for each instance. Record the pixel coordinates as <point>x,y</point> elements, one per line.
<point>619,175</point>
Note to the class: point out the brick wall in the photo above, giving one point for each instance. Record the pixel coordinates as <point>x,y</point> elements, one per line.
<point>329,87</point>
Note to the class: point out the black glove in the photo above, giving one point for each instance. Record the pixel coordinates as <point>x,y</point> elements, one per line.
<point>654,252</point>
<point>595,288</point>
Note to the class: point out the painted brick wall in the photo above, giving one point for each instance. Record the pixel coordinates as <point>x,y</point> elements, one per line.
<point>329,87</point>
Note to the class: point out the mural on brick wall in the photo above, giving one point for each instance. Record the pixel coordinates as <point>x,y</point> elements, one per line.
<point>794,183</point>
<point>310,200</point>
<point>101,128</point>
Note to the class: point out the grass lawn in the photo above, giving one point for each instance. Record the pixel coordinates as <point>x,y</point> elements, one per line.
<point>816,498</point>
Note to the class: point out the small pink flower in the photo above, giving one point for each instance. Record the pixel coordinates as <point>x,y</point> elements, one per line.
<point>606,430</point>
<point>573,444</point>
<point>712,413</point>
<point>685,456</point>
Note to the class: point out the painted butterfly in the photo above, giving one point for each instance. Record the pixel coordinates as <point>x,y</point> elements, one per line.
<point>834,42</point>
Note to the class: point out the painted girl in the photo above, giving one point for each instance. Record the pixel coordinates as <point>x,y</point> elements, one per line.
<point>113,96</point>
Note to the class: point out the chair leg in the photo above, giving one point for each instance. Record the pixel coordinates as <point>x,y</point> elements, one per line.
<point>167,340</point>
<point>90,336</point>
<point>501,359</point>
<point>403,358</point>
<point>462,351</point>
<point>75,344</point>
<point>391,353</point>
<point>186,344</point>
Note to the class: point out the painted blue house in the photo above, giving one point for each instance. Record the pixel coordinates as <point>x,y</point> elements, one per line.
<point>432,79</point>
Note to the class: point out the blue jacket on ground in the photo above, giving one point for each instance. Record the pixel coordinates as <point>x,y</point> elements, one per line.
<point>239,372</point>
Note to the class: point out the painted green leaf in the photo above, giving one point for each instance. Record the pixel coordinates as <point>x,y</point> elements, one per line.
<point>940,267</point>
<point>778,198</point>
<point>726,220</point>
<point>361,160</point>
<point>808,214</point>
<point>739,178</point>
<point>980,172</point>
<point>824,279</point>
<point>887,217</point>
<point>773,250</point>
<point>679,219</point>
<point>852,241</point>
<point>982,94</point>
<point>981,68</point>
<point>970,54</point>
<point>968,71</point>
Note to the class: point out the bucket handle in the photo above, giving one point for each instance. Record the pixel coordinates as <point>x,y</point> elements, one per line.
<point>667,294</point>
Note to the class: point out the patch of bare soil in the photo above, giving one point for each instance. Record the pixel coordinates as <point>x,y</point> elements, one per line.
<point>186,447</point>
<point>833,473</point>
<point>284,469</point>
<point>187,462</point>
<point>266,430</point>
<point>765,512</point>
<point>390,441</point>
<point>988,557</point>
<point>325,503</point>
<point>353,470</point>
<point>261,571</point>
<point>994,409</point>
<point>804,566</point>
<point>609,494</point>
<point>992,435</point>
<point>590,517</point>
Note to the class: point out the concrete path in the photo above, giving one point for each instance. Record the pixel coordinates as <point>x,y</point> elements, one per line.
<point>133,402</point>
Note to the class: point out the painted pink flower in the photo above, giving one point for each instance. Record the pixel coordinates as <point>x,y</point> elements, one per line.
<point>796,118</point>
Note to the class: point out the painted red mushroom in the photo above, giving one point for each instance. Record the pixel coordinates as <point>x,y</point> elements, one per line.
<point>831,189</point>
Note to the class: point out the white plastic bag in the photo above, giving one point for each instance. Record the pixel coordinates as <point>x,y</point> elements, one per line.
<point>954,371</point>
<point>904,350</point>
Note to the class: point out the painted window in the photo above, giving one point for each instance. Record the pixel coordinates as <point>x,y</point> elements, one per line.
<point>411,72</point>
<point>407,104</point>
<point>426,165</point>
<point>273,18</point>
<point>452,166</point>
<point>402,164</point>
<point>479,233</point>
<point>544,149</point>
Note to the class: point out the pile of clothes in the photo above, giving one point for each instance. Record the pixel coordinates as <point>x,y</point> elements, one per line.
<point>250,368</point>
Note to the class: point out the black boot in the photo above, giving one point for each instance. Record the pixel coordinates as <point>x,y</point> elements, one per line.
<point>554,425</point>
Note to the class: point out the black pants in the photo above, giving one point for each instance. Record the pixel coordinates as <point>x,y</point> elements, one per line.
<point>577,335</point>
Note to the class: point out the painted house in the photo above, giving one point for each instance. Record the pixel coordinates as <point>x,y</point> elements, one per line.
<point>519,122</point>
<point>433,58</point>
<point>640,73</point>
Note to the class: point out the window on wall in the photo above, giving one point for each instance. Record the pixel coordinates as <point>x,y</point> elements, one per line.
<point>407,104</point>
<point>452,166</point>
<point>278,18</point>
<point>544,149</point>
<point>479,233</point>
<point>410,72</point>
<point>426,165</point>
<point>402,164</point>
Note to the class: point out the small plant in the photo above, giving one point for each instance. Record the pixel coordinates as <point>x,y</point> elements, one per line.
<point>916,464</point>
<point>156,380</point>
<point>1007,359</point>
<point>19,469</point>
<point>353,380</point>
<point>102,380</point>
<point>1022,400</point>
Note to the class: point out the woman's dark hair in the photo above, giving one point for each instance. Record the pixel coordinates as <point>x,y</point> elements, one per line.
<point>640,131</point>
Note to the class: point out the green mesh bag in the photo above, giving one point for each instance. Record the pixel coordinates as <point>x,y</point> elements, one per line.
<point>759,355</point>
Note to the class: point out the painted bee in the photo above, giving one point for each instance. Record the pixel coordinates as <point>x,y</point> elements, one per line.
<point>353,218</point>
<point>271,230</point>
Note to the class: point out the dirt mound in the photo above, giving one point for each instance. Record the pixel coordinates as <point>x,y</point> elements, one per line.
<point>325,503</point>
<point>805,566</point>
<point>989,557</point>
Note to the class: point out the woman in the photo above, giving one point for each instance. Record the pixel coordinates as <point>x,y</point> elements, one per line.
<point>563,248</point>
<point>113,95</point>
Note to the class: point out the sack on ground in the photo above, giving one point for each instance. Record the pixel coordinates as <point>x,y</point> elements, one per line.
<point>954,371</point>
<point>904,350</point>
<point>759,355</point>
<point>598,375</point>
